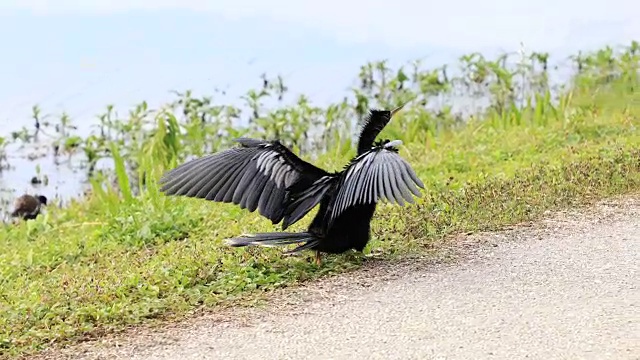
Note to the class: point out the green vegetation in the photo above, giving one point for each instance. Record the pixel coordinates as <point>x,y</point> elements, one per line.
<point>124,254</point>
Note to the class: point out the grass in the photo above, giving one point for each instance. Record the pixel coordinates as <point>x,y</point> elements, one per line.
<point>117,258</point>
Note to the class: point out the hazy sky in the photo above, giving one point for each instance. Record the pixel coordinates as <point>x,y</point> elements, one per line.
<point>80,55</point>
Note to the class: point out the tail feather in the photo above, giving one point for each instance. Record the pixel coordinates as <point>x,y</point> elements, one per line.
<point>305,246</point>
<point>276,239</point>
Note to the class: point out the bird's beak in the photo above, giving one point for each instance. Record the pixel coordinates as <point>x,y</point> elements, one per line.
<point>394,111</point>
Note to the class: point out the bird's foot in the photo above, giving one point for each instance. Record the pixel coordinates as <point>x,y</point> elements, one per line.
<point>318,258</point>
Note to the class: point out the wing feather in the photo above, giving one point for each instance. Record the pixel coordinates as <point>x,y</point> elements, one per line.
<point>408,179</point>
<point>397,196</point>
<point>401,186</point>
<point>387,183</point>
<point>247,177</point>
<point>233,182</point>
<point>222,185</point>
<point>376,172</point>
<point>307,199</point>
<point>188,178</point>
<point>254,196</point>
<point>372,183</point>
<point>202,182</point>
<point>255,175</point>
<point>379,174</point>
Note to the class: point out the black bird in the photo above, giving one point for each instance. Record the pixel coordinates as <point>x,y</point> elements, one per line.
<point>266,175</point>
<point>28,206</point>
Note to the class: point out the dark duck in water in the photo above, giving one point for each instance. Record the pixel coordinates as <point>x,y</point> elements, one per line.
<point>28,206</point>
<point>267,176</point>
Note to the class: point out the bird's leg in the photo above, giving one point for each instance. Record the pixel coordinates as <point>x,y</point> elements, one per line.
<point>318,258</point>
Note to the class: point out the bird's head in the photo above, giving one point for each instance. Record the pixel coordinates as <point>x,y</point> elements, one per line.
<point>373,125</point>
<point>394,111</point>
<point>393,144</point>
<point>42,199</point>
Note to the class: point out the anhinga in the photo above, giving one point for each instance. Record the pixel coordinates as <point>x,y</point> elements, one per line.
<point>28,206</point>
<point>266,175</point>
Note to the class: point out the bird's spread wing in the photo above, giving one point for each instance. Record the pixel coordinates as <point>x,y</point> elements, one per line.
<point>375,175</point>
<point>255,175</point>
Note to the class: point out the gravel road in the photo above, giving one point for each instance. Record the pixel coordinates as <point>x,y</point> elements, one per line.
<point>563,288</point>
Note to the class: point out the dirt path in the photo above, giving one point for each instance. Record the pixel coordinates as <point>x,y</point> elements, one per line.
<point>564,288</point>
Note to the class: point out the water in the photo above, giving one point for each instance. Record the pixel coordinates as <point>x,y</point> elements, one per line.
<point>65,180</point>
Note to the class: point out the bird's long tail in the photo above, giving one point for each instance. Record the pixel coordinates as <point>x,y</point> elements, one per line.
<point>273,239</point>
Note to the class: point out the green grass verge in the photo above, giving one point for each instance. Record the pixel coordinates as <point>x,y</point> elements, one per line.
<point>103,263</point>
